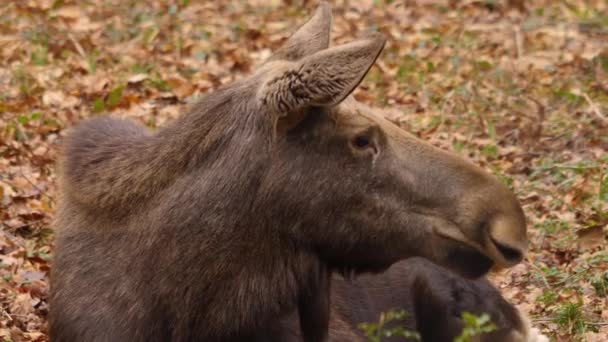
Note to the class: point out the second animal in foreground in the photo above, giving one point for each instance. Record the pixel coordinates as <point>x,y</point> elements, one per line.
<point>433,299</point>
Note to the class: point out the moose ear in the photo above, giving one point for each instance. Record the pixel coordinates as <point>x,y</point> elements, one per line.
<point>308,39</point>
<point>322,79</point>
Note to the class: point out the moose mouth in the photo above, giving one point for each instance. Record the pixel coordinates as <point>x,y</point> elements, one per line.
<point>455,251</point>
<point>466,261</point>
<point>470,260</point>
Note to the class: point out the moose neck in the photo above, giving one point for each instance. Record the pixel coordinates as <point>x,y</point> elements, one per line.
<point>215,123</point>
<point>220,132</point>
<point>258,285</point>
<point>223,148</point>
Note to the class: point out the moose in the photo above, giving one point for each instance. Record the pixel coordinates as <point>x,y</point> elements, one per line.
<point>433,299</point>
<point>223,222</point>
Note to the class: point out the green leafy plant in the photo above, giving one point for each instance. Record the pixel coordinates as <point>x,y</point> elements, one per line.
<point>113,99</point>
<point>604,187</point>
<point>474,325</point>
<point>375,332</point>
<point>600,284</point>
<point>571,317</point>
<point>39,56</point>
<point>548,298</point>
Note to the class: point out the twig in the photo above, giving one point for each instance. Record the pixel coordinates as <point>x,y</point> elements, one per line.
<point>40,191</point>
<point>542,320</point>
<point>446,98</point>
<point>5,313</point>
<point>77,46</point>
<point>594,108</point>
<point>549,319</point>
<point>598,324</point>
<point>519,42</point>
<point>542,275</point>
<point>566,167</point>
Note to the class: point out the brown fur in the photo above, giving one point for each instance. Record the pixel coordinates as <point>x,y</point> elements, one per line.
<point>433,297</point>
<point>236,213</point>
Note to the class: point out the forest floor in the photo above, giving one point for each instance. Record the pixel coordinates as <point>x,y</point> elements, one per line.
<point>522,92</point>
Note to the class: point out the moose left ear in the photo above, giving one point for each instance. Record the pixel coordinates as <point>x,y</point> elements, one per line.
<point>308,39</point>
<point>322,79</point>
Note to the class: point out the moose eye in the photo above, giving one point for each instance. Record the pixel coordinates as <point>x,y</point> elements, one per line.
<point>361,141</point>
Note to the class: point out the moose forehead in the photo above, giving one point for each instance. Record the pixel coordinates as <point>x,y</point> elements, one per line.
<point>355,116</point>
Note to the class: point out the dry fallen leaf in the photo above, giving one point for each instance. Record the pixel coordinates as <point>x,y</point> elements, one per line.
<point>67,12</point>
<point>592,237</point>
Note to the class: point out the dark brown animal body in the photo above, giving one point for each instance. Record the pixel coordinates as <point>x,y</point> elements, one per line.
<point>235,214</point>
<point>433,297</point>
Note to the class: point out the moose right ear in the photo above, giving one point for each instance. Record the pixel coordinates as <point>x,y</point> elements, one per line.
<point>310,38</point>
<point>322,79</point>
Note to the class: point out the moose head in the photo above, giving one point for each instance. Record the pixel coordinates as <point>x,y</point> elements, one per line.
<point>358,190</point>
<point>231,215</point>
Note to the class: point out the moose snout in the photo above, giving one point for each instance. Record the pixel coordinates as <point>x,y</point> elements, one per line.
<point>508,241</point>
<point>493,220</point>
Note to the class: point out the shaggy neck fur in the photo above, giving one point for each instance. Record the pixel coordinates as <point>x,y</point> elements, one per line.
<point>191,194</point>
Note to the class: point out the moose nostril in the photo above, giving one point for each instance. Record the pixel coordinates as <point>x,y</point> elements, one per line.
<point>509,253</point>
